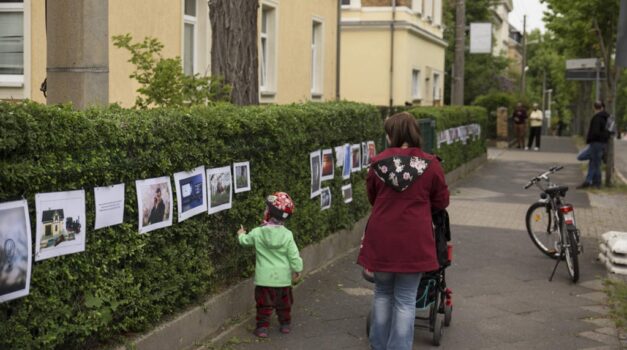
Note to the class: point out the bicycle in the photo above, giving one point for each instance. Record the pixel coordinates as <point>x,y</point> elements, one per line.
<point>551,224</point>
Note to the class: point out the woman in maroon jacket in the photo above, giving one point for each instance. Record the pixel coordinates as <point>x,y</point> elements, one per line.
<point>404,185</point>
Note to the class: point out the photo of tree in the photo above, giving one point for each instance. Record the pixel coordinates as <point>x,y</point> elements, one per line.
<point>220,193</point>
<point>60,223</point>
<point>15,250</point>
<point>241,171</point>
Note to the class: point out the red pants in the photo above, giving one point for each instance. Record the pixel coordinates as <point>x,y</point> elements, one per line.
<point>270,298</point>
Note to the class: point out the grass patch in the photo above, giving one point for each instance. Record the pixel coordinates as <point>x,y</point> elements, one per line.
<point>617,299</point>
<point>616,188</point>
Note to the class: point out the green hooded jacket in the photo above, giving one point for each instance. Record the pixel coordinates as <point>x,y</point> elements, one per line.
<point>277,255</point>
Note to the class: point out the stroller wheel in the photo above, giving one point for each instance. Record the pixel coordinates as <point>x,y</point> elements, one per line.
<point>448,314</point>
<point>437,331</point>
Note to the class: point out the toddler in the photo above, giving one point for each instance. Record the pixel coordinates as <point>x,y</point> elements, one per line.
<point>278,263</point>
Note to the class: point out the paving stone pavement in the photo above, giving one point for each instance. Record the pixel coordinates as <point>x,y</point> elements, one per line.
<point>502,296</point>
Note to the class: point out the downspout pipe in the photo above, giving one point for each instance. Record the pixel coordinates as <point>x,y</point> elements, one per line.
<point>392,27</point>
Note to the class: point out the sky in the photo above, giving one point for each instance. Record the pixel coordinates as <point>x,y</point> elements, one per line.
<point>533,9</point>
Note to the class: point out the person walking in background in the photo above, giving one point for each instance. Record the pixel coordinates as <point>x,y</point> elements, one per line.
<point>535,127</point>
<point>404,186</point>
<point>597,143</point>
<point>520,120</point>
<point>278,263</point>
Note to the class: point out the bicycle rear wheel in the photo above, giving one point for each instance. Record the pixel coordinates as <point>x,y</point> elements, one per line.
<point>542,229</point>
<point>571,251</point>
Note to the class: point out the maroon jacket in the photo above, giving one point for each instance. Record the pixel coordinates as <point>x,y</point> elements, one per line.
<point>404,185</point>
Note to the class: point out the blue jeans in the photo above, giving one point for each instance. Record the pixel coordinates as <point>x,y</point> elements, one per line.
<point>596,150</point>
<point>394,310</point>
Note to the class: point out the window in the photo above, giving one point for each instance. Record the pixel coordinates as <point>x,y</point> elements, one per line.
<point>316,58</point>
<point>346,2</point>
<point>415,84</point>
<point>267,45</point>
<point>436,86</point>
<point>437,12</point>
<point>427,7</point>
<point>351,3</point>
<point>12,43</point>
<point>416,6</point>
<point>189,37</point>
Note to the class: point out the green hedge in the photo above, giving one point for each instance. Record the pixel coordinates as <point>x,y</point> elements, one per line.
<point>457,153</point>
<point>125,282</point>
<point>493,101</point>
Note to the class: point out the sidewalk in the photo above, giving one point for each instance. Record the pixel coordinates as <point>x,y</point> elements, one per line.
<point>502,297</point>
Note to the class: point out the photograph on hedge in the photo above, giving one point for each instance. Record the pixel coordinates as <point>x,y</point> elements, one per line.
<point>316,172</point>
<point>109,201</point>
<point>60,222</point>
<point>325,198</point>
<point>154,202</point>
<point>365,160</point>
<point>372,151</point>
<point>339,156</point>
<point>327,165</point>
<point>348,163</point>
<point>191,192</point>
<point>220,194</point>
<point>241,171</point>
<point>347,193</point>
<point>356,157</point>
<point>15,250</point>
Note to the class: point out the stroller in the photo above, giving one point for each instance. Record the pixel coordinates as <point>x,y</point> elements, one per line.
<point>433,298</point>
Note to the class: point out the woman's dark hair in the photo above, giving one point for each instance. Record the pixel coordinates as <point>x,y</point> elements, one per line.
<point>403,128</point>
<point>598,105</point>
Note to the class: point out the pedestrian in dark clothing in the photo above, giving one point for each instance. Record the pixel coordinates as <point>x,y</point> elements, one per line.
<point>597,143</point>
<point>520,124</point>
<point>404,185</point>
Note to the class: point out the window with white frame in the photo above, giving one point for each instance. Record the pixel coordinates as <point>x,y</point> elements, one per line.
<point>415,84</point>
<point>12,43</point>
<point>346,2</point>
<point>437,12</point>
<point>436,86</point>
<point>416,6</point>
<point>427,7</point>
<point>189,37</point>
<point>316,58</point>
<point>267,47</point>
<point>351,3</point>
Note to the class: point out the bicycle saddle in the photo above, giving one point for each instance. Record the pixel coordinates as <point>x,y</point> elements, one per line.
<point>552,191</point>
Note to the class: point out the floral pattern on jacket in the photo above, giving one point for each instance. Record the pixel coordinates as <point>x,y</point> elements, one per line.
<point>399,172</point>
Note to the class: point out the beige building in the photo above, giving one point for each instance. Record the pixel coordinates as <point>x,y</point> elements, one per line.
<point>392,52</point>
<point>297,46</point>
<point>500,29</point>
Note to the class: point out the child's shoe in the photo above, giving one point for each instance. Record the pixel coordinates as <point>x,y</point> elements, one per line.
<point>261,332</point>
<point>285,329</point>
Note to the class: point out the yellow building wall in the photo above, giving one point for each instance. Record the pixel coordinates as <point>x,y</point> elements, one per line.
<point>294,73</point>
<point>428,57</point>
<point>161,19</point>
<point>38,50</point>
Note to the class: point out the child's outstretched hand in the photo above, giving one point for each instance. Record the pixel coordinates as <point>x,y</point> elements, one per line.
<point>295,277</point>
<point>241,230</point>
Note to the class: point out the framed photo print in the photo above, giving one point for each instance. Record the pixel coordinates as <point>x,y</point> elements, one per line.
<point>316,172</point>
<point>356,158</point>
<point>327,165</point>
<point>60,223</point>
<point>325,198</point>
<point>154,200</point>
<point>372,151</point>
<point>191,192</point>
<point>365,161</point>
<point>241,171</point>
<point>348,162</point>
<point>339,156</point>
<point>347,193</point>
<point>15,250</point>
<point>220,191</point>
<point>109,202</point>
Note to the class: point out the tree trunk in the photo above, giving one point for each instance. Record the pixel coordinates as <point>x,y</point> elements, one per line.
<point>234,47</point>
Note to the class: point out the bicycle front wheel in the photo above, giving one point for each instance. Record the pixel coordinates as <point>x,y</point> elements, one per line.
<point>542,228</point>
<point>571,250</point>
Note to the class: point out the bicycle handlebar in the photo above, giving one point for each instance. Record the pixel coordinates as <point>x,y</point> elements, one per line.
<point>544,175</point>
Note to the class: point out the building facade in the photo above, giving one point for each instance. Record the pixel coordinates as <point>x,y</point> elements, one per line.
<point>501,28</point>
<point>392,52</point>
<point>297,46</point>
